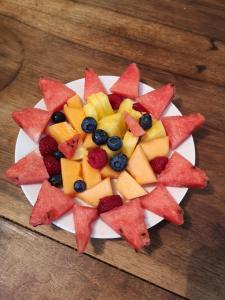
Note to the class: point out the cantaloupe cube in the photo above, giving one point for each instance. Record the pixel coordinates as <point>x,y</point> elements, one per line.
<point>90,175</point>
<point>157,130</point>
<point>128,187</point>
<point>88,142</point>
<point>94,194</point>
<point>129,143</point>
<point>156,147</point>
<point>75,116</point>
<point>107,171</point>
<point>71,170</point>
<point>75,102</point>
<point>139,167</point>
<point>61,132</point>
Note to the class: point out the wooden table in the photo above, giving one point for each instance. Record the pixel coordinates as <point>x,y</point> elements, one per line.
<point>176,41</point>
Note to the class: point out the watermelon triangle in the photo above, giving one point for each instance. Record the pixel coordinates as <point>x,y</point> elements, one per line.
<point>51,204</point>
<point>133,125</point>
<point>68,148</point>
<point>128,221</point>
<point>178,128</point>
<point>155,102</point>
<point>32,120</point>
<point>92,84</point>
<point>180,172</point>
<point>160,202</point>
<point>55,93</point>
<point>128,83</point>
<point>29,169</point>
<point>83,218</point>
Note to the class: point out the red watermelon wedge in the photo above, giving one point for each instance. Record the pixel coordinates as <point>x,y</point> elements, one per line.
<point>181,173</point>
<point>133,125</point>
<point>83,218</point>
<point>128,83</point>
<point>160,202</point>
<point>32,120</point>
<point>55,93</point>
<point>155,102</point>
<point>51,204</point>
<point>92,84</point>
<point>178,128</point>
<point>69,147</point>
<point>29,169</point>
<point>128,221</point>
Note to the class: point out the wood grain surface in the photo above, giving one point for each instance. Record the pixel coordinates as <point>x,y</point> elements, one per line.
<point>172,41</point>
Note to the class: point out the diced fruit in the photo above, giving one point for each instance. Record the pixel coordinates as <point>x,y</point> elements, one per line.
<point>180,172</point>
<point>107,171</point>
<point>157,130</point>
<point>128,83</point>
<point>88,142</point>
<point>52,165</point>
<point>97,158</point>
<point>61,132</point>
<point>115,100</point>
<point>137,106</point>
<point>102,100</point>
<point>109,152</point>
<point>128,221</point>
<point>158,164</point>
<point>109,202</point>
<point>89,124</point>
<point>156,147</point>
<point>79,186</point>
<point>75,102</point>
<point>32,120</point>
<point>129,143</point>
<point>140,168</point>
<point>113,125</point>
<point>90,111</point>
<point>161,202</point>
<point>29,169</point>
<point>51,204</point>
<point>156,101</point>
<point>127,186</point>
<point>178,128</point>
<point>114,143</point>
<point>118,162</point>
<point>47,146</point>
<point>58,117</point>
<point>71,171</point>
<point>80,153</point>
<point>133,125</point>
<point>75,116</point>
<point>55,93</point>
<point>145,121</point>
<point>127,105</point>
<point>56,180</point>
<point>100,137</point>
<point>83,219</point>
<point>92,84</point>
<point>91,176</point>
<point>69,147</point>
<point>92,195</point>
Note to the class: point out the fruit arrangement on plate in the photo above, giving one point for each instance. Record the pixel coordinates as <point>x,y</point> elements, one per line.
<point>96,156</point>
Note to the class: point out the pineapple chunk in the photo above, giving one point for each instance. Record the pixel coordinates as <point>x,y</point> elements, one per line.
<point>97,105</point>
<point>91,176</point>
<point>113,125</point>
<point>127,105</point>
<point>61,132</point>
<point>157,130</point>
<point>129,143</point>
<point>71,170</point>
<point>80,153</point>
<point>88,142</point>
<point>109,151</point>
<point>90,111</point>
<point>75,116</point>
<point>75,102</point>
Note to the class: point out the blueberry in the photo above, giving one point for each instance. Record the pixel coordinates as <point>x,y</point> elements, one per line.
<point>56,180</point>
<point>58,154</point>
<point>89,124</point>
<point>118,162</point>
<point>79,186</point>
<point>58,117</point>
<point>145,121</point>
<point>100,137</point>
<point>114,143</point>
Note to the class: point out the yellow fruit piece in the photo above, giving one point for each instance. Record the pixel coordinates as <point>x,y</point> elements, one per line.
<point>156,147</point>
<point>75,116</point>
<point>90,111</point>
<point>94,194</point>
<point>80,153</point>
<point>128,187</point>
<point>90,175</point>
<point>157,130</point>
<point>88,142</point>
<point>97,105</point>
<point>61,132</point>
<point>129,143</point>
<point>127,105</point>
<point>109,151</point>
<point>75,102</point>
<point>102,100</point>
<point>113,125</point>
<point>71,170</point>
<point>107,171</point>
<point>139,167</point>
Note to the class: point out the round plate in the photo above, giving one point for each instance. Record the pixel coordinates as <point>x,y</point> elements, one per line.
<point>25,145</point>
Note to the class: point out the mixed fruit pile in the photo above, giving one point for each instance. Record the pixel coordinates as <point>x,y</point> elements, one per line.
<point>104,152</point>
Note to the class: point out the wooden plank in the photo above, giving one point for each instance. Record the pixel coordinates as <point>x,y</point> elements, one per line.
<point>35,267</point>
<point>145,42</point>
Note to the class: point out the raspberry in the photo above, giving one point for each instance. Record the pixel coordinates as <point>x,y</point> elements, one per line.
<point>47,146</point>
<point>109,202</point>
<point>97,158</point>
<point>52,165</point>
<point>158,164</point>
<point>137,106</point>
<point>115,100</point>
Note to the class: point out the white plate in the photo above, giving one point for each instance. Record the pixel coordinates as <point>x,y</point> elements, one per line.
<point>25,145</point>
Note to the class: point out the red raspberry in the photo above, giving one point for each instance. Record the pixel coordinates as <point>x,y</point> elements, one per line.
<point>52,165</point>
<point>115,100</point>
<point>158,164</point>
<point>47,146</point>
<point>97,158</point>
<point>109,202</point>
<point>137,106</point>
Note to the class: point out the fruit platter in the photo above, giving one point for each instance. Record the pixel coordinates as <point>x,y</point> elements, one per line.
<point>106,157</point>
